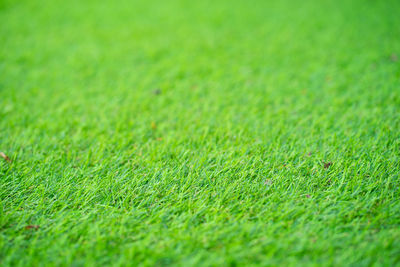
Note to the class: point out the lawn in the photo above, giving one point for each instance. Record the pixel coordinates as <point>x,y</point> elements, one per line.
<point>200,133</point>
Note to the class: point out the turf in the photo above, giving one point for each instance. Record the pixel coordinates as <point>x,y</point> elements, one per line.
<point>206,133</point>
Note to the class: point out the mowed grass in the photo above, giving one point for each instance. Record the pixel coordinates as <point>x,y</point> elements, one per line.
<point>200,133</point>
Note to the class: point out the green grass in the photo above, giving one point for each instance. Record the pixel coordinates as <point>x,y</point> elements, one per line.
<point>224,164</point>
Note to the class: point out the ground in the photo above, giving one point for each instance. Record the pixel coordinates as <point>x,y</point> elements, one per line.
<point>200,133</point>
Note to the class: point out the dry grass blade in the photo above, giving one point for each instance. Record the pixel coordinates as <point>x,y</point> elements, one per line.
<point>35,227</point>
<point>5,157</point>
<point>327,165</point>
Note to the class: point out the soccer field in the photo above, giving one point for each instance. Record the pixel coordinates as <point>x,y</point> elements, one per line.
<point>200,133</point>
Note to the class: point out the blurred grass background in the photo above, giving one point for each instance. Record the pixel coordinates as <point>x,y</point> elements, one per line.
<point>196,132</point>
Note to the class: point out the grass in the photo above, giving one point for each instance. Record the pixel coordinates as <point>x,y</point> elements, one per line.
<point>205,133</point>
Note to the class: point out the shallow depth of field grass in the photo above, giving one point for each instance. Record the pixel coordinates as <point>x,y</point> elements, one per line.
<point>200,133</point>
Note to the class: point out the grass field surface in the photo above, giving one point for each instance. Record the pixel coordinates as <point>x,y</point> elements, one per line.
<point>200,133</point>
